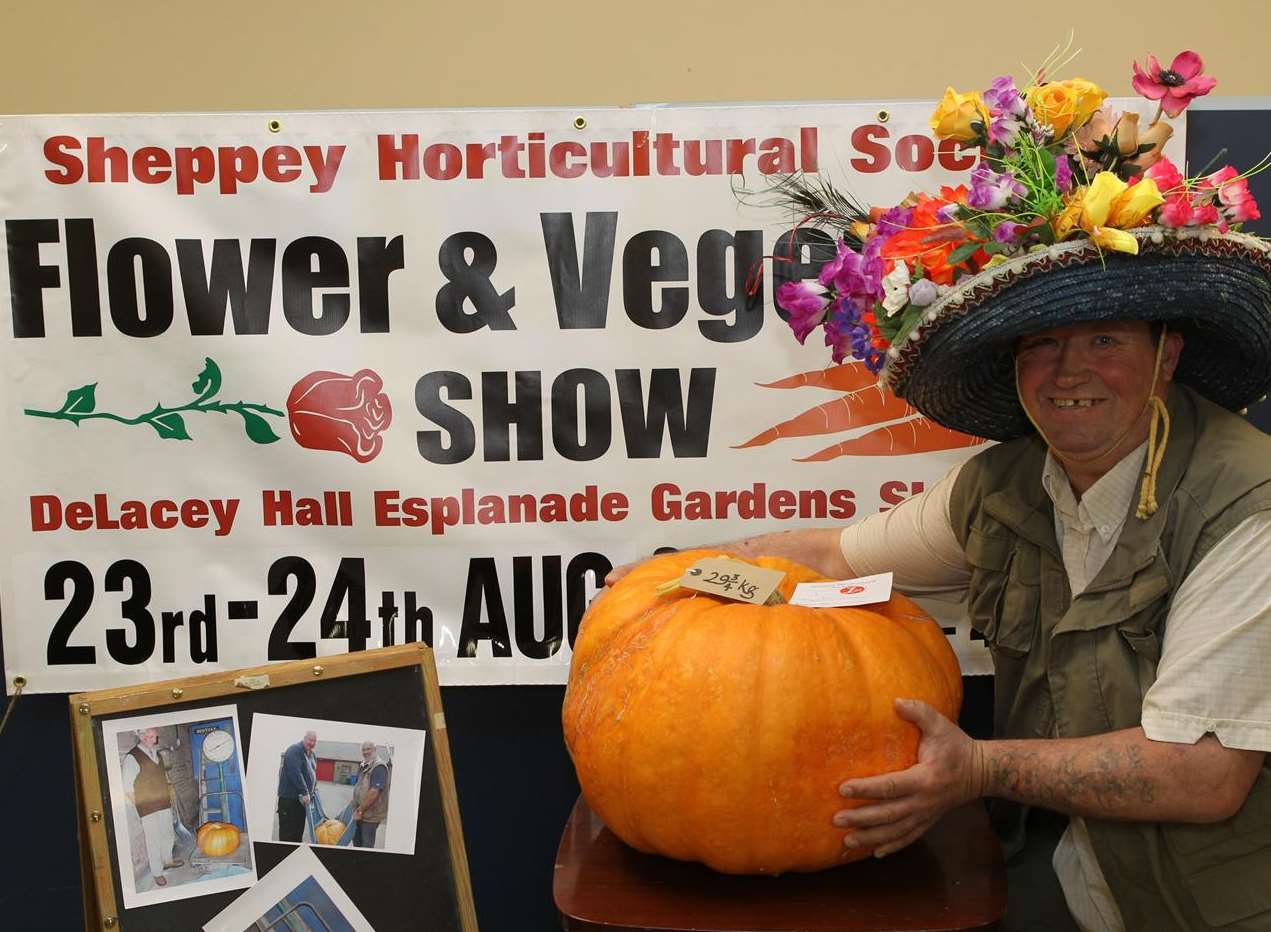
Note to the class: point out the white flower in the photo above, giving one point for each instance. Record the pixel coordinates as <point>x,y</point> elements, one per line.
<point>896,289</point>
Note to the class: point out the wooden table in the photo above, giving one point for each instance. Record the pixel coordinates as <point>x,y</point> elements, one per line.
<point>953,878</point>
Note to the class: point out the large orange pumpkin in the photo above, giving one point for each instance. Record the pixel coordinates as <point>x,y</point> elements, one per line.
<point>709,730</point>
<point>217,839</point>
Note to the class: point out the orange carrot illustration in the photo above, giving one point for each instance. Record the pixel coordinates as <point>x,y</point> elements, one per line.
<point>855,409</point>
<point>916,435</point>
<point>848,377</point>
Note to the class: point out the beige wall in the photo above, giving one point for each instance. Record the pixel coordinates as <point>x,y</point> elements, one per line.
<point>97,55</point>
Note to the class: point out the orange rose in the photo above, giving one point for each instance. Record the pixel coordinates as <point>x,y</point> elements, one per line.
<point>956,116</point>
<point>1065,105</point>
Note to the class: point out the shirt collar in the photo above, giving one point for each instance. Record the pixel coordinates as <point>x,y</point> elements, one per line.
<point>1104,507</point>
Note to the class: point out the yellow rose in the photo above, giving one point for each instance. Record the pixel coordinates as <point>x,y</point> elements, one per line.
<point>1111,206</point>
<point>1065,105</point>
<point>954,115</point>
<point>1070,218</point>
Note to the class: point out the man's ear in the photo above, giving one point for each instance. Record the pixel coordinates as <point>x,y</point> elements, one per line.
<point>1169,357</point>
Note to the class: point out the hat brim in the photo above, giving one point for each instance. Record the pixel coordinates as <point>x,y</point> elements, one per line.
<point>957,365</point>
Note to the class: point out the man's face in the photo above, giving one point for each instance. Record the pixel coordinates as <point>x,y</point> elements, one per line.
<point>150,737</point>
<point>1086,386</point>
<point>310,740</point>
<point>368,751</point>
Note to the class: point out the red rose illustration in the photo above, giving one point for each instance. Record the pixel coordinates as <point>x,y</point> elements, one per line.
<point>344,413</point>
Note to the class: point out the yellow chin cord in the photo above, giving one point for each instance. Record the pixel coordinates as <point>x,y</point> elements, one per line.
<point>1155,449</point>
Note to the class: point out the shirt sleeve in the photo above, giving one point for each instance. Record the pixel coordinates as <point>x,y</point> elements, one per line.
<point>379,777</point>
<point>915,542</point>
<point>128,771</point>
<point>1215,669</point>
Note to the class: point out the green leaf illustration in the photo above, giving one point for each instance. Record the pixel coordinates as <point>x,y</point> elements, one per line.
<point>169,426</point>
<point>80,400</point>
<point>209,381</point>
<point>258,428</point>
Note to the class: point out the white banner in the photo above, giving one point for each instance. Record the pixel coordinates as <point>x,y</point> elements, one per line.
<point>281,386</point>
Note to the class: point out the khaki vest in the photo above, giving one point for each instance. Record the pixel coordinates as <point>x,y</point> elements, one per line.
<point>1074,667</point>
<point>150,791</point>
<point>379,809</point>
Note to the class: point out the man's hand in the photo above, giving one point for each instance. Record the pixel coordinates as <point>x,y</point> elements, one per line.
<point>948,774</point>
<point>357,815</point>
<point>305,800</point>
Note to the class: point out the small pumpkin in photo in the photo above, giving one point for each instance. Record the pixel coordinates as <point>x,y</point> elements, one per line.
<point>217,839</point>
<point>329,831</point>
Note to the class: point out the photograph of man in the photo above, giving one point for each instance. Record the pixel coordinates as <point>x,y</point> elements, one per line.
<point>370,795</point>
<point>146,787</point>
<point>297,780</point>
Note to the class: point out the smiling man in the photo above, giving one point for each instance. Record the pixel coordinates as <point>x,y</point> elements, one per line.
<point>1111,552</point>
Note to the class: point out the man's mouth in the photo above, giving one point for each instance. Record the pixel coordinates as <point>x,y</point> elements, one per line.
<point>1075,402</point>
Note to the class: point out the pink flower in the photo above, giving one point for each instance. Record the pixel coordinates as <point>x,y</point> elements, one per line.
<point>1233,193</point>
<point>1176,211</point>
<point>1166,175</point>
<point>806,304</point>
<point>1175,87</point>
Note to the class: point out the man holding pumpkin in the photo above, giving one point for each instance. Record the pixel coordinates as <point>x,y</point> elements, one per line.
<point>1111,547</point>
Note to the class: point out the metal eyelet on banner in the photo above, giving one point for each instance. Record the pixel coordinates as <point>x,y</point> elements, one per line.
<point>580,122</point>
<point>883,116</point>
<point>274,126</point>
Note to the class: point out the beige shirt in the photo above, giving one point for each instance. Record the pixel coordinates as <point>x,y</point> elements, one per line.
<point>1215,670</point>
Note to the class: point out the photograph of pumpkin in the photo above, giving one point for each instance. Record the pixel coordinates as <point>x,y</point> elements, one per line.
<point>897,428</point>
<point>177,787</point>
<point>710,730</point>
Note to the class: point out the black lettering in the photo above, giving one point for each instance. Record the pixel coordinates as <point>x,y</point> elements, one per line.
<point>207,295</point>
<point>582,293</point>
<point>567,432</point>
<point>593,564</point>
<point>643,425</point>
<point>133,609</point>
<point>463,437</point>
<point>482,591</point>
<point>377,259</point>
<point>469,280</point>
<point>499,413</point>
<point>523,602</point>
<point>654,256</point>
<point>27,277</point>
<point>713,288</point>
<point>156,280</point>
<point>301,276</point>
<point>77,574</point>
<point>81,278</point>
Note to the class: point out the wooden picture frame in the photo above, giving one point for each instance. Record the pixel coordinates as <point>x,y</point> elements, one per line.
<point>373,681</point>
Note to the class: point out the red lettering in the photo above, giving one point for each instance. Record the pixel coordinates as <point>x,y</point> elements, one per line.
<point>915,153</point>
<point>55,151</point>
<point>863,141</point>
<point>99,154</point>
<point>193,166</point>
<point>477,156</point>
<point>405,155</point>
<point>237,164</point>
<point>146,160</point>
<point>560,159</point>
<point>280,163</point>
<point>949,153</point>
<point>442,161</point>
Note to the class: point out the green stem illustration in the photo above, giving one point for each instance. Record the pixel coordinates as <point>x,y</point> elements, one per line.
<point>81,404</point>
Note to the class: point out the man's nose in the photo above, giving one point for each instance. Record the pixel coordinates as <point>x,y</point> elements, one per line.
<point>1070,363</point>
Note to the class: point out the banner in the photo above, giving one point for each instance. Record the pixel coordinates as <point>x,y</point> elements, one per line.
<point>278,386</point>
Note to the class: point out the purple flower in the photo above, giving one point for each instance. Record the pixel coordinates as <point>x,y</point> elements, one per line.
<point>991,190</point>
<point>1004,130</point>
<point>895,220</point>
<point>922,292</point>
<point>1063,174</point>
<point>805,303</point>
<point>948,213</point>
<point>856,274</point>
<point>1003,98</point>
<point>1007,231</point>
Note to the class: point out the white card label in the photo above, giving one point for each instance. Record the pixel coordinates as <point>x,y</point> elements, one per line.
<point>865,590</point>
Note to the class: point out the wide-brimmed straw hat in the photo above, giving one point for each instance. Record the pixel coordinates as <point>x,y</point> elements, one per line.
<point>1074,214</point>
<point>956,365</point>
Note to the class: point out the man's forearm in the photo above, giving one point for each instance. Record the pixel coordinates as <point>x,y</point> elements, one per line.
<point>1121,775</point>
<point>817,548</point>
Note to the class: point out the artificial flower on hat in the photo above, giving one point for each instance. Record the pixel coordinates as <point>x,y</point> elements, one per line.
<point>1072,214</point>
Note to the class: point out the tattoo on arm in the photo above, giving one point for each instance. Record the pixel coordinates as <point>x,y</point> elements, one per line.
<point>1106,781</point>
